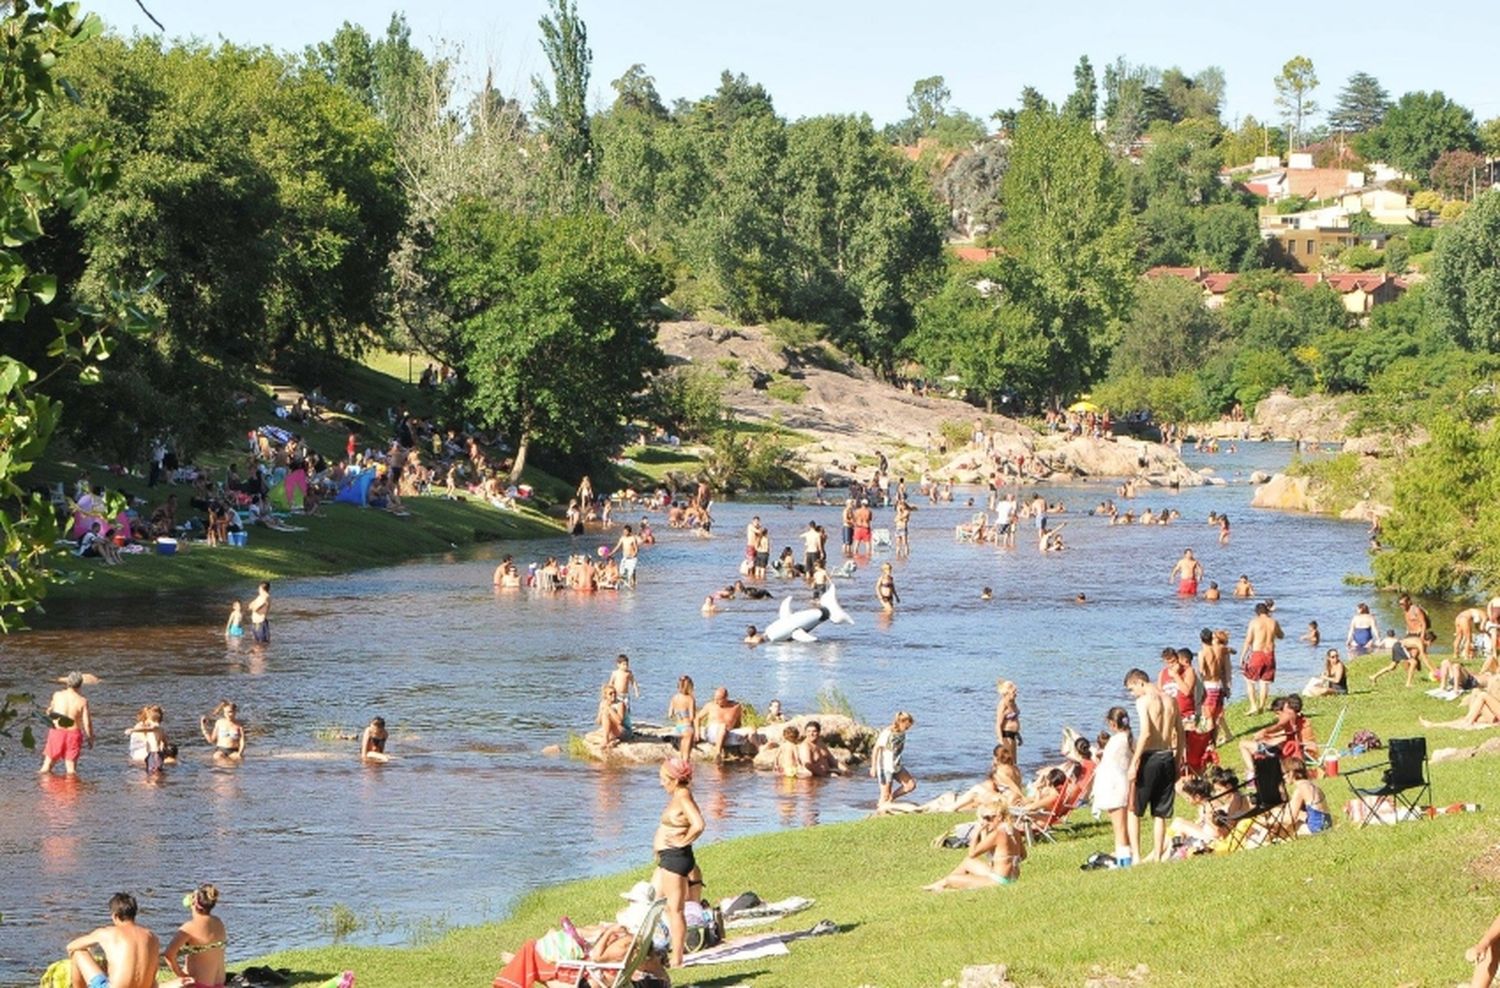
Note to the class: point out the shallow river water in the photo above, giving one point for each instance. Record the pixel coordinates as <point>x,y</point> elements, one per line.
<point>473,683</point>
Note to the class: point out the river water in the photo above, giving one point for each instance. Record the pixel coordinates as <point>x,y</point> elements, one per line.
<point>473,683</point>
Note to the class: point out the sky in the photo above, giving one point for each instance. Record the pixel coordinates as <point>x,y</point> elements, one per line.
<point>841,56</point>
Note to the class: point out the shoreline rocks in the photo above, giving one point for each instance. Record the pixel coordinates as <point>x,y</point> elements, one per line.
<point>650,744</point>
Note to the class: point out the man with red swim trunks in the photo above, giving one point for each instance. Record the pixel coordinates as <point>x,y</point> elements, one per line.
<point>71,726</point>
<point>1259,662</point>
<point>1186,574</point>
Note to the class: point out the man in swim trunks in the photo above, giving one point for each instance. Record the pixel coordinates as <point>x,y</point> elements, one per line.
<point>131,952</point>
<point>1186,574</point>
<point>812,548</point>
<point>629,548</point>
<point>1213,672</point>
<point>863,519</point>
<point>848,523</point>
<point>1259,663</point>
<point>1005,520</point>
<point>1159,749</point>
<point>260,614</point>
<point>717,719</point>
<point>72,726</point>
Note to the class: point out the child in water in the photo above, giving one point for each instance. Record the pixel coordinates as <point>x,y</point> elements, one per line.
<point>234,629</point>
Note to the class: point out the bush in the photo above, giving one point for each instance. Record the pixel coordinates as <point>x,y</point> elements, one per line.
<point>1361,258</point>
<point>688,401</point>
<point>1337,482</point>
<point>787,390</point>
<point>1421,239</point>
<point>1259,372</point>
<point>956,435</point>
<point>760,462</point>
<point>794,335</point>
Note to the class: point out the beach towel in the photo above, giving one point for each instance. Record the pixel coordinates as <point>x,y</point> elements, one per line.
<point>755,946</point>
<point>765,912</point>
<point>525,969</point>
<point>275,433</point>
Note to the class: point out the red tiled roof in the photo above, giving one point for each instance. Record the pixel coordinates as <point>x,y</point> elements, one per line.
<point>1259,188</point>
<point>1191,274</point>
<point>972,254</point>
<point>1345,283</point>
<point>1219,283</point>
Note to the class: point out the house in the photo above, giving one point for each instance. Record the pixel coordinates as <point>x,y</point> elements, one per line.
<point>1301,249</point>
<point>1384,206</point>
<point>1359,292</point>
<point>1322,183</point>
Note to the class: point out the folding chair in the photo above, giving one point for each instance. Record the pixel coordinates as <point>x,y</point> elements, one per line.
<point>1404,772</point>
<point>1314,761</point>
<point>1270,793</point>
<point>616,974</point>
<point>1041,822</point>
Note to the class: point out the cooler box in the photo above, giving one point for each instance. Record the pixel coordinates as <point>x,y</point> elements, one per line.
<point>166,547</point>
<point>239,539</point>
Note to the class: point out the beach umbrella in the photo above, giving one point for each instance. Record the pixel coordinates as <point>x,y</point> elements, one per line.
<point>1083,406</point>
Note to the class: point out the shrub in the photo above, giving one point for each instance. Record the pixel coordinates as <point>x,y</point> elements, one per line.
<point>795,335</point>
<point>689,401</point>
<point>956,434</point>
<point>787,390</point>
<point>832,700</point>
<point>1361,258</point>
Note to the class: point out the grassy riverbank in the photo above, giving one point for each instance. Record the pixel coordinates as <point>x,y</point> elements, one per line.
<point>1384,905</point>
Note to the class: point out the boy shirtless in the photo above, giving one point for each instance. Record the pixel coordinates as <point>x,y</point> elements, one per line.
<point>623,680</point>
<point>1159,751</point>
<point>72,726</point>
<point>131,952</point>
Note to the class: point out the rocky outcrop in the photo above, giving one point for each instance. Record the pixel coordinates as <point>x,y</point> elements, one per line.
<point>651,744</point>
<point>1284,493</point>
<point>1313,418</point>
<point>1154,463</point>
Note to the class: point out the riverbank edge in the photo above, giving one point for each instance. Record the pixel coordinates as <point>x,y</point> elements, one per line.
<point>1320,896</point>
<point>341,539</point>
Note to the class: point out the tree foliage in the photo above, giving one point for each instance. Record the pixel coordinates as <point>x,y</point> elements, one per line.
<point>1416,129</point>
<point>1360,106</point>
<point>1294,88</point>
<point>561,109</point>
<point>556,317</point>
<point>1083,102</point>
<point>1465,285</point>
<point>1169,330</point>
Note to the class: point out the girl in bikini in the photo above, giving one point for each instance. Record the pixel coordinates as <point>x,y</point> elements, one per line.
<point>227,734</point>
<point>995,856</point>
<point>1008,717</point>
<point>196,953</point>
<point>885,588</point>
<point>682,711</point>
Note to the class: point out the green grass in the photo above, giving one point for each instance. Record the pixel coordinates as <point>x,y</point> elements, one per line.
<point>651,464</point>
<point>341,538</point>
<point>787,390</point>
<point>1384,905</point>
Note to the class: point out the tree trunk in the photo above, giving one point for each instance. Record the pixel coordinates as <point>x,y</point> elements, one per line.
<point>522,446</point>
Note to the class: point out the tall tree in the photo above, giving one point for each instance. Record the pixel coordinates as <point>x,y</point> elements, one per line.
<point>1195,96</point>
<point>1124,112</point>
<point>927,104</point>
<point>1070,231</point>
<point>1464,292</point>
<point>636,91</point>
<point>562,109</point>
<point>1083,102</point>
<point>1294,89</point>
<point>1418,128</point>
<point>1032,102</point>
<point>556,315</point>
<point>1168,331</point>
<point>1361,105</point>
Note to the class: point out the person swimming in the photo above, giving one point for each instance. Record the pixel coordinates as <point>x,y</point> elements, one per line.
<point>752,636</point>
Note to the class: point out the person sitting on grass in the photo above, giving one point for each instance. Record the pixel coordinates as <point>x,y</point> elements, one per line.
<point>93,545</point>
<point>1211,823</point>
<point>1483,711</point>
<point>1290,736</point>
<point>1306,809</point>
<point>1453,678</point>
<point>1334,679</point>
<point>994,856</point>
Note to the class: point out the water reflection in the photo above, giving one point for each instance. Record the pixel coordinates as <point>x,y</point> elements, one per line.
<point>468,815</point>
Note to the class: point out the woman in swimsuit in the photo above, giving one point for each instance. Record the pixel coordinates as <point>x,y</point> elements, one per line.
<point>227,734</point>
<point>994,857</point>
<point>372,742</point>
<point>196,953</point>
<point>610,717</point>
<point>677,877</point>
<point>1304,797</point>
<point>1335,677</point>
<point>1363,631</point>
<point>885,588</point>
<point>1008,717</point>
<point>682,711</point>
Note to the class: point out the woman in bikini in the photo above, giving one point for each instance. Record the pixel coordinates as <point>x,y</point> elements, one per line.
<point>677,877</point>
<point>885,588</point>
<point>610,717</point>
<point>682,711</point>
<point>196,953</point>
<point>994,857</point>
<point>226,734</point>
<point>1008,717</point>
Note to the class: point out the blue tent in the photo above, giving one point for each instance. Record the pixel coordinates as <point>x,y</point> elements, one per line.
<point>356,489</point>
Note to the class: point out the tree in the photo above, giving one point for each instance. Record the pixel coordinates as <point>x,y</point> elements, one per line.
<point>1124,95</point>
<point>562,110</point>
<point>971,188</point>
<point>43,180</point>
<point>1465,286</point>
<point>1070,231</point>
<point>927,104</point>
<point>1361,105</point>
<point>1489,137</point>
<point>1228,238</point>
<point>1294,89</point>
<point>556,316</point>
<point>1196,96</point>
<point>1083,102</point>
<point>636,91</point>
<point>1458,173</point>
<point>1032,101</point>
<point>1168,332</point>
<point>1250,140</point>
<point>1418,128</point>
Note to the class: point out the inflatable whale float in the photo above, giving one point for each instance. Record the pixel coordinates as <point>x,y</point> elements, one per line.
<point>797,625</point>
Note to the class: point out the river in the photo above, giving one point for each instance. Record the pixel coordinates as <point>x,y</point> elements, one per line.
<point>473,683</point>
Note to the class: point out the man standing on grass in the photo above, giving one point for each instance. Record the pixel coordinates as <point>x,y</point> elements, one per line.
<point>1159,751</point>
<point>1259,657</point>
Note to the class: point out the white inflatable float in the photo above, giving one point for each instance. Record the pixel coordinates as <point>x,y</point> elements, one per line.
<point>797,625</point>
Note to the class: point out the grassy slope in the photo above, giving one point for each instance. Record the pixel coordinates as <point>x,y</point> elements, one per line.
<point>1384,905</point>
<point>343,538</point>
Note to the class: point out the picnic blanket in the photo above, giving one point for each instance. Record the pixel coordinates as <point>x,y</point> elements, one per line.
<point>766,912</point>
<point>754,946</point>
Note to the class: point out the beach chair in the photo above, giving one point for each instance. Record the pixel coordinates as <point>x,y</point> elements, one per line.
<point>1404,783</point>
<point>1314,759</point>
<point>1270,794</point>
<point>1042,822</point>
<point>616,974</point>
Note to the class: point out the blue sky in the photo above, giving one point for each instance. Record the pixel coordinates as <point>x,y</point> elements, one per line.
<point>835,56</point>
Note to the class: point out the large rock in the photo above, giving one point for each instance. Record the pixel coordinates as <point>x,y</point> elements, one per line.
<point>1283,493</point>
<point>1316,418</point>
<point>1119,458</point>
<point>651,744</point>
<point>1363,510</point>
<point>849,740</point>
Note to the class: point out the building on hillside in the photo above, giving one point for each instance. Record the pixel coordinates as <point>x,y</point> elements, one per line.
<point>1359,291</point>
<point>1298,249</point>
<point>1386,206</point>
<point>972,254</point>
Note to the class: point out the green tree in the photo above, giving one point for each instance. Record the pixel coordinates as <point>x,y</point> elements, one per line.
<point>1294,89</point>
<point>1083,102</point>
<point>1418,128</point>
<point>927,104</point>
<point>1250,140</point>
<point>1458,174</point>
<point>1194,96</point>
<point>1272,311</point>
<point>1168,332</point>
<point>1032,102</point>
<point>1465,285</point>
<point>556,315</point>
<point>1227,237</point>
<point>1068,226</point>
<point>562,109</point>
<point>44,179</point>
<point>1360,106</point>
<point>971,188</point>
<point>635,91</point>
<point>1124,101</point>
<point>1489,137</point>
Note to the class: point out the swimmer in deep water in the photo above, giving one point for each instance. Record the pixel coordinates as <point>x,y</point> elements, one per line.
<point>752,636</point>
<point>709,607</point>
<point>986,594</point>
<point>1212,593</point>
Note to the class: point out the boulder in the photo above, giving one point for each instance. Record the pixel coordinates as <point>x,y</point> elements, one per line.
<point>1259,477</point>
<point>849,740</point>
<point>650,744</point>
<point>1365,510</point>
<point>1283,493</point>
<point>1119,458</point>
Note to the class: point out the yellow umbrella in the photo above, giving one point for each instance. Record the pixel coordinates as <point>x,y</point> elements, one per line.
<point>1083,406</point>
